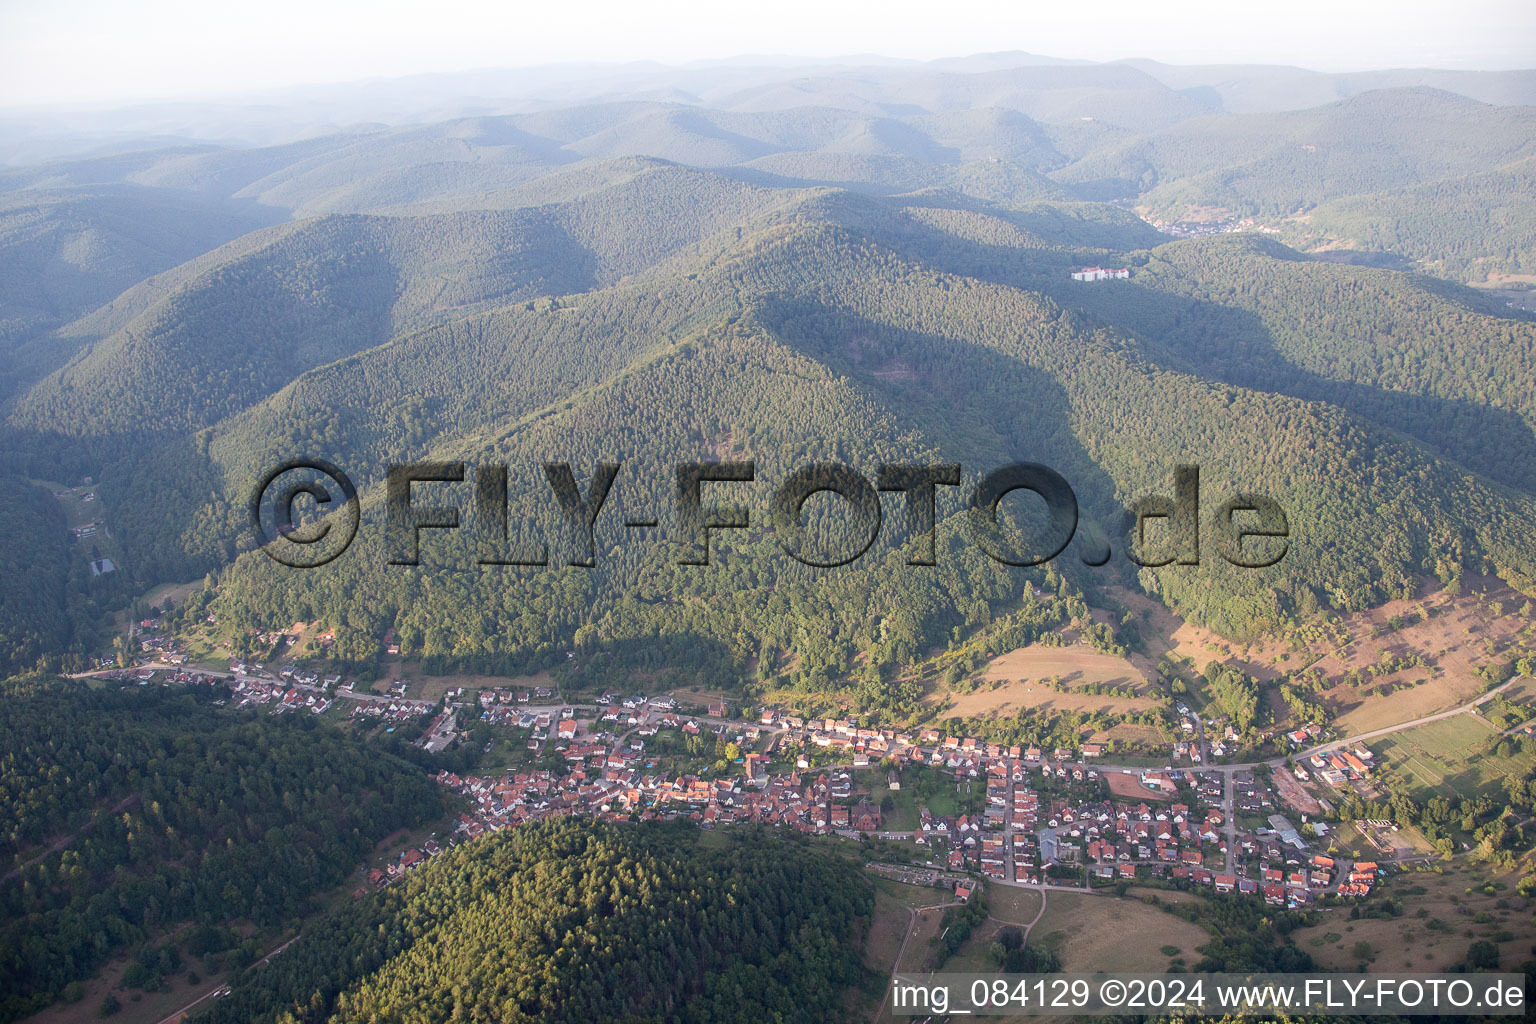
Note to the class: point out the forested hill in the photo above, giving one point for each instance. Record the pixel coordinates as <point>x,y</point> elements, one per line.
<point>852,348</point>
<point>67,251</point>
<point>864,329</point>
<point>842,278</point>
<point>1441,364</point>
<point>1464,228</point>
<point>252,315</point>
<point>1286,163</point>
<point>581,922</point>
<point>161,810</point>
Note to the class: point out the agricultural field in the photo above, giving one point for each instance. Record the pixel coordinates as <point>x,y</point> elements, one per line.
<point>1443,914</point>
<point>1453,638</point>
<point>1019,679</point>
<point>1448,757</point>
<point>1128,787</point>
<point>1103,933</point>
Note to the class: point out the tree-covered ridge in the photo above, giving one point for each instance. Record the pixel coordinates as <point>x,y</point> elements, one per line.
<point>171,811</point>
<point>575,921</point>
<point>730,390</point>
<point>68,250</point>
<point>1274,165</point>
<point>1465,228</point>
<point>846,329</point>
<point>1441,364</point>
<point>572,312</point>
<point>249,317</point>
<point>39,577</point>
<point>1012,134</point>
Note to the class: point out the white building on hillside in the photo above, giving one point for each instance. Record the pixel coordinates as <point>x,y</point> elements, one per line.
<point>1102,274</point>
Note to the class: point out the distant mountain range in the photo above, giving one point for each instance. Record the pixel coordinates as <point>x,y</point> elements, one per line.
<point>862,83</point>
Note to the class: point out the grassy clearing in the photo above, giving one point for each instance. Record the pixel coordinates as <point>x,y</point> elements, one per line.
<point>1102,933</point>
<point>903,814</point>
<point>912,895</point>
<point>1075,666</point>
<point>1128,734</point>
<point>886,929</point>
<point>1014,905</point>
<point>1170,896</point>
<point>177,592</point>
<point>919,952</point>
<point>1523,689</point>
<point>971,957</point>
<point>700,697</point>
<point>1454,637</point>
<point>433,687</point>
<point>713,839</point>
<point>1441,920</point>
<point>1018,680</point>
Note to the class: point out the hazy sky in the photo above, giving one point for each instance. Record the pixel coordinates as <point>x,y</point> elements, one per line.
<point>93,51</point>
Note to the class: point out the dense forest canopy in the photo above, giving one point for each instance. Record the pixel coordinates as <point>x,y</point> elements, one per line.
<point>172,812</point>
<point>572,921</point>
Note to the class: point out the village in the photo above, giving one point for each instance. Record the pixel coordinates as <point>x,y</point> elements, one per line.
<point>1048,817</point>
<point>1014,815</point>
